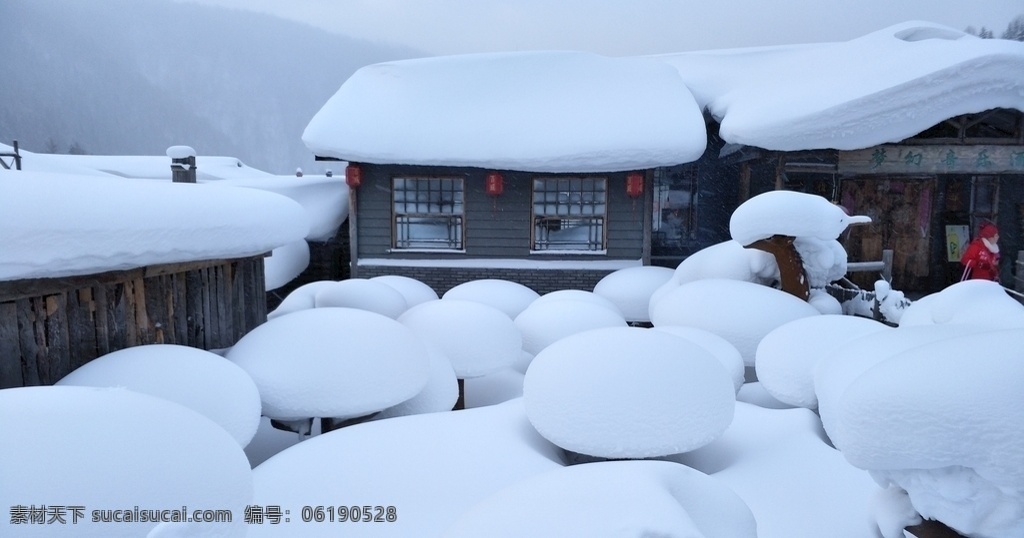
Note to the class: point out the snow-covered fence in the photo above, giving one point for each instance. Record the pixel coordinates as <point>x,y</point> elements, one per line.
<point>883,266</point>
<point>50,326</point>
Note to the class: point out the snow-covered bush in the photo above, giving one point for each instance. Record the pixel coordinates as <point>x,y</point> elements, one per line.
<point>505,295</point>
<point>414,291</point>
<point>627,392</point>
<point>544,323</point>
<point>630,289</point>
<point>200,380</point>
<point>363,294</point>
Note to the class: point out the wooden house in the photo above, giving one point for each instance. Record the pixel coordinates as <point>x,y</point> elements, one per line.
<point>454,160</point>
<point>474,167</point>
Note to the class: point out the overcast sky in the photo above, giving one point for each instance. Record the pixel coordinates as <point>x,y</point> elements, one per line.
<point>622,27</point>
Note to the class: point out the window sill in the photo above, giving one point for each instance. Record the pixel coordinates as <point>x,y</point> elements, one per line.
<point>425,251</point>
<point>569,252</point>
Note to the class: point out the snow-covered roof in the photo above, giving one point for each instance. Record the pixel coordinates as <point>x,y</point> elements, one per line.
<point>577,112</point>
<point>532,111</point>
<point>883,87</point>
<point>56,225</point>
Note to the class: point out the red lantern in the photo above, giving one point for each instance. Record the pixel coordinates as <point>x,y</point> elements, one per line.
<point>494,184</point>
<point>634,184</point>
<point>353,176</point>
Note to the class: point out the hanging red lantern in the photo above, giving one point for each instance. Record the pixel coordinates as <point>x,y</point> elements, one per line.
<point>353,176</point>
<point>494,184</point>
<point>634,184</point>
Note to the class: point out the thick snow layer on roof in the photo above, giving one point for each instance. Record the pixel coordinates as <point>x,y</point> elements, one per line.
<point>626,392</point>
<point>203,381</point>
<point>532,111</point>
<point>104,224</point>
<point>116,449</point>
<point>635,498</point>
<point>882,87</point>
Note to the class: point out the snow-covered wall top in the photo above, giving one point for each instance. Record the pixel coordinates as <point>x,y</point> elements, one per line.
<point>54,225</point>
<point>883,87</point>
<point>530,111</point>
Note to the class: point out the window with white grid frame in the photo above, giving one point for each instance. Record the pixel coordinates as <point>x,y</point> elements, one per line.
<point>569,213</point>
<point>428,213</point>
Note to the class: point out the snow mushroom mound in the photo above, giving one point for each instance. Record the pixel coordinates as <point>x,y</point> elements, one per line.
<point>741,312</point>
<point>627,392</point>
<point>505,295</point>
<point>790,213</point>
<point>631,289</point>
<point>478,339</point>
<point>332,362</point>
<point>203,381</point>
<point>114,449</point>
<point>362,294</point>
<point>787,356</point>
<point>546,322</point>
<point>577,295</point>
<point>619,498</point>
<point>414,291</point>
<point>945,423</point>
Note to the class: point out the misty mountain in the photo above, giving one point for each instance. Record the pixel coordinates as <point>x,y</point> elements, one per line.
<point>133,77</point>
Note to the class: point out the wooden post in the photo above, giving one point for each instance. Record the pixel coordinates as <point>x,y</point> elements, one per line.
<point>353,233</point>
<point>645,249</point>
<point>887,265</point>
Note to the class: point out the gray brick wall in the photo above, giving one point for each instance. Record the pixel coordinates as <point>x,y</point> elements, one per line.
<point>442,279</point>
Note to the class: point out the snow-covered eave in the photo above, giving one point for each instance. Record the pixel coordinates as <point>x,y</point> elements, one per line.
<point>566,164</point>
<point>547,111</point>
<point>893,114</point>
<point>129,224</point>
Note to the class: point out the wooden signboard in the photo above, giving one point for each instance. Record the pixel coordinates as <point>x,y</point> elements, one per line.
<point>893,159</point>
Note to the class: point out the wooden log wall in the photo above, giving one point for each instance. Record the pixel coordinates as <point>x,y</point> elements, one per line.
<point>49,327</point>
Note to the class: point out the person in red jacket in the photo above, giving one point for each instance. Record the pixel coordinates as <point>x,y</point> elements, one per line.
<point>981,259</point>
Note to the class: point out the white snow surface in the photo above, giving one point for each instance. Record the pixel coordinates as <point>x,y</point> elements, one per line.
<point>285,263</point>
<point>363,294</point>
<point>789,213</point>
<point>478,339</point>
<point>723,308</point>
<point>611,499</point>
<point>719,347</point>
<point>332,362</point>
<point>301,298</point>
<point>943,422</point>
<point>978,302</point>
<point>162,223</point>
<point>115,449</point>
<point>631,289</point>
<point>881,87</point>
<point>200,380</point>
<point>786,370</point>
<point>628,392</point>
<point>546,322</point>
<point>432,468</point>
<point>577,295</point>
<point>547,111</point>
<point>440,393</point>
<point>414,291</point>
<point>505,295</point>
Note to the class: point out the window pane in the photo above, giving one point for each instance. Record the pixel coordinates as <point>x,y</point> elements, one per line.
<point>428,213</point>
<point>569,213</point>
